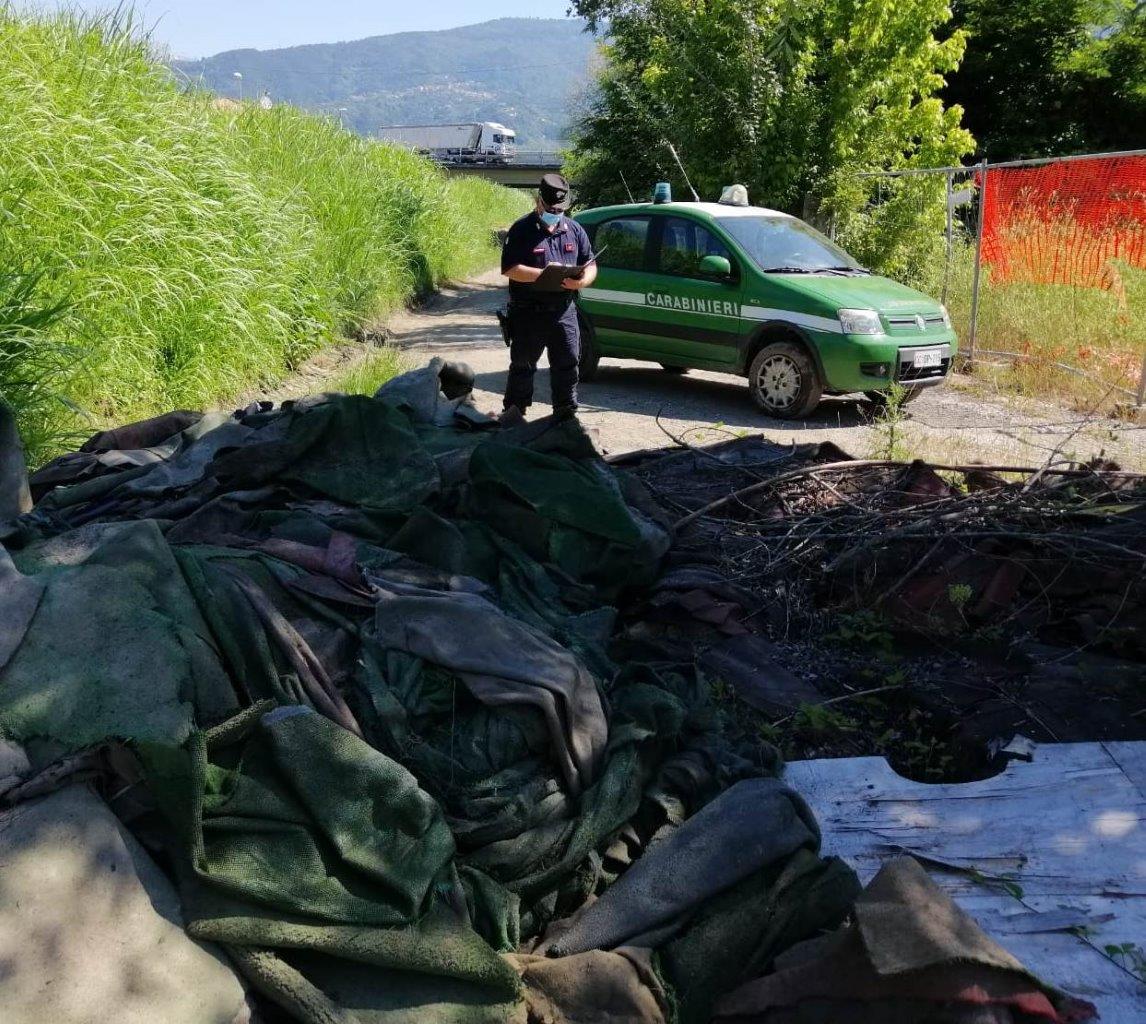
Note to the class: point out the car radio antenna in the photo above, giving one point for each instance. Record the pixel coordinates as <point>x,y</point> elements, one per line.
<point>628,190</point>
<point>672,149</point>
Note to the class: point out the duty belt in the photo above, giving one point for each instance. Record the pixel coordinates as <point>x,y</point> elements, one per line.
<point>532,306</point>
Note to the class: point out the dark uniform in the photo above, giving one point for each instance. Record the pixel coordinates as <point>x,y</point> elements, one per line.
<point>543,321</point>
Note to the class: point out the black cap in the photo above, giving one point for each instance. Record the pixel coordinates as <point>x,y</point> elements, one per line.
<point>555,192</point>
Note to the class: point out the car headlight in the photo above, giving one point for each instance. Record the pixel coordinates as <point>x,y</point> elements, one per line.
<point>946,317</point>
<point>860,321</point>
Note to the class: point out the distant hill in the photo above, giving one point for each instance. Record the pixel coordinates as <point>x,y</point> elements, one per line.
<point>523,72</point>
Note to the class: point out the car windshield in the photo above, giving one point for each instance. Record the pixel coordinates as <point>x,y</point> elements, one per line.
<point>787,245</point>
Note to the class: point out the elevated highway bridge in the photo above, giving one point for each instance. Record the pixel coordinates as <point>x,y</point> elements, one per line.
<point>524,171</point>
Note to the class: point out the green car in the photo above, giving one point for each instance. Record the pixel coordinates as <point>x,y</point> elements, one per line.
<point>757,293</point>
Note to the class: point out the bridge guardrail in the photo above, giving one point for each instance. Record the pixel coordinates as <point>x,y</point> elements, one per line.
<point>539,156</point>
<point>523,158</point>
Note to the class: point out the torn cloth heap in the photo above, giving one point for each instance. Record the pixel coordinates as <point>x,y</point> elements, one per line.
<point>363,656</point>
<point>281,859</point>
<point>912,956</point>
<point>719,896</point>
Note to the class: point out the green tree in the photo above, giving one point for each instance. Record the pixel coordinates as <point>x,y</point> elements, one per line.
<point>791,98</point>
<point>1044,77</point>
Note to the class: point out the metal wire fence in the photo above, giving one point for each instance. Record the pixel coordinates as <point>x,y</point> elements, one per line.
<point>1044,262</point>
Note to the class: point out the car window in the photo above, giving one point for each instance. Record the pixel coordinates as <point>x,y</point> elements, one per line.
<point>684,244</point>
<point>785,243</point>
<point>625,238</point>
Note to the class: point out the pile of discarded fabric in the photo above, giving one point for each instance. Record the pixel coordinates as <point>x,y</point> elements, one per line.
<point>349,671</point>
<point>358,651</point>
<point>910,956</point>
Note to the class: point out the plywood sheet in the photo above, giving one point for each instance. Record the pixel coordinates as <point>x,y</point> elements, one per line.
<point>1049,856</point>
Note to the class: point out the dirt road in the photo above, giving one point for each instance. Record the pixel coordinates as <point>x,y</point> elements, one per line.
<point>954,423</point>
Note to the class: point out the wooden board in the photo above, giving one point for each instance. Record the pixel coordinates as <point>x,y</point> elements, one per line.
<point>1062,838</point>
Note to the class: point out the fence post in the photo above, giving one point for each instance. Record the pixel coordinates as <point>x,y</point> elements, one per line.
<point>1142,384</point>
<point>978,264</point>
<point>950,216</point>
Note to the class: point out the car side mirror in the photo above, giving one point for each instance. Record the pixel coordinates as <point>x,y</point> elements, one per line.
<point>716,266</point>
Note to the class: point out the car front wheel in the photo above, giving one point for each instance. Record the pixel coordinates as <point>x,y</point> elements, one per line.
<point>783,381</point>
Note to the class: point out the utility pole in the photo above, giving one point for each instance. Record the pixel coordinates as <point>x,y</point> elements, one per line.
<point>238,77</point>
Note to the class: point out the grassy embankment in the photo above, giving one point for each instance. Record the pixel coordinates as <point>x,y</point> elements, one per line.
<point>193,252</point>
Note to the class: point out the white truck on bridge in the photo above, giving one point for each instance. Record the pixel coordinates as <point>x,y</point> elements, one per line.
<point>480,142</point>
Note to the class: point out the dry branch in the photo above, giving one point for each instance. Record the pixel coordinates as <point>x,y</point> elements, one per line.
<point>857,464</point>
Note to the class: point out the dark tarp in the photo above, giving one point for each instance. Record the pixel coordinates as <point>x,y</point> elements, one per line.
<point>722,894</point>
<point>19,598</point>
<point>911,955</point>
<point>479,766</point>
<point>621,987</point>
<point>114,646</point>
<point>299,840</point>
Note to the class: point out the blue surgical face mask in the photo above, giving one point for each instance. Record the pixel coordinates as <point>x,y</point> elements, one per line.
<point>550,219</point>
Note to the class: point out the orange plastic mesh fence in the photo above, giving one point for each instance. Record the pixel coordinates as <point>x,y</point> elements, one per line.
<point>1070,223</point>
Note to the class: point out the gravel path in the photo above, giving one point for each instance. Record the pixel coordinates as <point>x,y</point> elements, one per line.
<point>954,423</point>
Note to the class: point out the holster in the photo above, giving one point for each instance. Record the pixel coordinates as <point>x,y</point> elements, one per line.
<point>504,322</point>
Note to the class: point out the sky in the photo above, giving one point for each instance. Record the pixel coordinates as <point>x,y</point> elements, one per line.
<point>200,28</point>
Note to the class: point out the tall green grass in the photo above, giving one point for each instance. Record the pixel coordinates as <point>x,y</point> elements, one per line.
<point>200,251</point>
<point>366,376</point>
<point>33,368</point>
<point>1100,333</point>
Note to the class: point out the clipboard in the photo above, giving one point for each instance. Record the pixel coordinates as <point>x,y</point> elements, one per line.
<point>555,273</point>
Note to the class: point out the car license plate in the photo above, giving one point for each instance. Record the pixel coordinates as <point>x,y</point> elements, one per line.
<point>928,357</point>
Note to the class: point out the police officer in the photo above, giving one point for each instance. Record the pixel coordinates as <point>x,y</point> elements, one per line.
<point>542,321</point>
